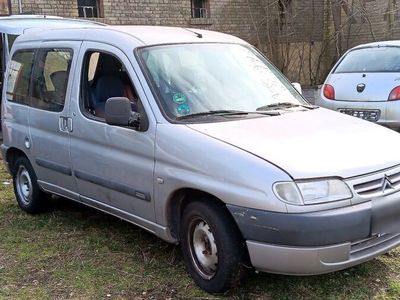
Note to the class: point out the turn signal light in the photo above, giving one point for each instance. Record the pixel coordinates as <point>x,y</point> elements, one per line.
<point>329,92</point>
<point>394,94</point>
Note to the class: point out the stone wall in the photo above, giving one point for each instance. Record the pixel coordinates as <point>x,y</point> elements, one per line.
<point>312,34</point>
<point>367,21</point>
<point>303,21</point>
<point>231,16</point>
<point>47,7</point>
<point>303,40</point>
<point>381,22</point>
<point>238,17</point>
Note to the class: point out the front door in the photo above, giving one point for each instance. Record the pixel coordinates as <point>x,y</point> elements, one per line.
<point>113,165</point>
<point>50,126</point>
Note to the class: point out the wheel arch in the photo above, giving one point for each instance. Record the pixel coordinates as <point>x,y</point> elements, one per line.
<point>11,156</point>
<point>180,199</point>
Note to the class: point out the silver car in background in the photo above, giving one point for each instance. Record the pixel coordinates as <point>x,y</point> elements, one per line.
<point>365,83</point>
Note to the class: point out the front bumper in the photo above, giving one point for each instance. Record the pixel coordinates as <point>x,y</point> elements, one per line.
<point>319,242</point>
<point>319,228</point>
<point>317,260</point>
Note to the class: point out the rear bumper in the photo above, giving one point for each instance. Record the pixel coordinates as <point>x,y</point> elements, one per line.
<point>317,260</point>
<point>390,110</point>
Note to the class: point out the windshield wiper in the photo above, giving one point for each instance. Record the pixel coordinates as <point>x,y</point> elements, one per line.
<point>282,105</point>
<point>225,113</point>
<point>213,113</point>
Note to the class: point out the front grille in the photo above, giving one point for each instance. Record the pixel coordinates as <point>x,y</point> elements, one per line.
<point>361,248</point>
<point>375,187</point>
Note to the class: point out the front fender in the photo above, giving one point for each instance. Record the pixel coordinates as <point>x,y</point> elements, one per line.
<point>186,158</point>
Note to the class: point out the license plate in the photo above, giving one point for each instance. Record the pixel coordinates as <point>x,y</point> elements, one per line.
<point>372,115</point>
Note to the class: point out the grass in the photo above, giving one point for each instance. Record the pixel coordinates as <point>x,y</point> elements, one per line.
<point>75,252</point>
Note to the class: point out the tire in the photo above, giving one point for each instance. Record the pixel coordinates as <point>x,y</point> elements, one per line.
<point>29,196</point>
<point>213,249</point>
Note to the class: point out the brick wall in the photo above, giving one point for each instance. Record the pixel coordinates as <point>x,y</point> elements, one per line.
<point>49,7</point>
<point>377,20</point>
<point>147,12</point>
<point>308,41</point>
<point>381,22</point>
<point>304,21</point>
<point>368,21</point>
<point>231,16</point>
<point>238,17</point>
<point>294,42</point>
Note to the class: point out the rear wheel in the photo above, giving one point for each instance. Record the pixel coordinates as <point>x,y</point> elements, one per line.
<point>29,196</point>
<point>214,251</point>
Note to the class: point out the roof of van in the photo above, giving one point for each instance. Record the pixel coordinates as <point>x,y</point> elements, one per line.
<point>17,24</point>
<point>150,35</point>
<point>142,35</point>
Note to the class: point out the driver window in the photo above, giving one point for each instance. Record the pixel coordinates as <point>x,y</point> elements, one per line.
<point>104,77</point>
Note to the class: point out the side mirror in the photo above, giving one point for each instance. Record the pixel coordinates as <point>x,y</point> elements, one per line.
<point>297,86</point>
<point>118,111</point>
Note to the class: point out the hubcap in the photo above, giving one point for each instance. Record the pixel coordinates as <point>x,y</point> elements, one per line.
<point>24,185</point>
<point>203,248</point>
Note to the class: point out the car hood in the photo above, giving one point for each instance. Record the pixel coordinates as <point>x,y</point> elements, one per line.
<point>311,144</point>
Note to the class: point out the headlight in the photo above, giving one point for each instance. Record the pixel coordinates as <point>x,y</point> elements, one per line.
<point>312,192</point>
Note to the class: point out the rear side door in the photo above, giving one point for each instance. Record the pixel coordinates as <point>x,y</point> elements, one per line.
<point>113,165</point>
<point>15,111</point>
<point>50,126</point>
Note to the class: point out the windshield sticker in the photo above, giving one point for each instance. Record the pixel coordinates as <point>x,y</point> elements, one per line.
<point>183,109</point>
<point>179,98</point>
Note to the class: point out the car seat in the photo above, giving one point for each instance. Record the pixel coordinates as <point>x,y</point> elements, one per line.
<point>59,81</point>
<point>107,84</point>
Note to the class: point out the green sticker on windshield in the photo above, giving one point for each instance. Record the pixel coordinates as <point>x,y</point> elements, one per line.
<point>179,98</point>
<point>183,109</point>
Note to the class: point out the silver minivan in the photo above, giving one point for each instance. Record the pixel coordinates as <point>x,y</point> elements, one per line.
<point>196,137</point>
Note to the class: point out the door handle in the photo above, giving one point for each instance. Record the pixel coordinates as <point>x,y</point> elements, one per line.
<point>65,124</point>
<point>69,124</point>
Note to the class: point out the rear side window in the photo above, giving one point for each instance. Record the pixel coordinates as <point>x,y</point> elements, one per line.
<point>19,76</point>
<point>50,79</point>
<point>371,60</point>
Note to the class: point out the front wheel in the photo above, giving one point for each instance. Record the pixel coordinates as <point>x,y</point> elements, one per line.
<point>214,251</point>
<point>29,196</point>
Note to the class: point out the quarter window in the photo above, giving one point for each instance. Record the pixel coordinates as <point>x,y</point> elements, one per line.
<point>19,76</point>
<point>50,79</point>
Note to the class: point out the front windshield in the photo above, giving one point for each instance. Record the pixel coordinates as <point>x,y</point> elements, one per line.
<point>191,79</point>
